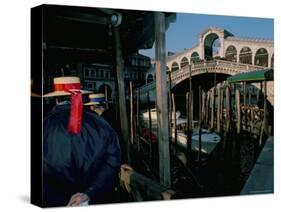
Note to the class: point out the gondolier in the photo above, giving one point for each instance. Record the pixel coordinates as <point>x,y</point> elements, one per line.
<point>81,151</point>
<point>101,106</point>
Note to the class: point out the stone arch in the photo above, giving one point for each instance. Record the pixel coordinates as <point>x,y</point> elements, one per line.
<point>261,57</point>
<point>149,78</point>
<point>175,66</point>
<point>184,62</point>
<point>194,57</point>
<point>272,61</point>
<point>209,40</point>
<point>245,55</point>
<point>231,53</point>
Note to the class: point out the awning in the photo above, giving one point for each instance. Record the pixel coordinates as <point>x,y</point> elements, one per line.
<point>253,76</point>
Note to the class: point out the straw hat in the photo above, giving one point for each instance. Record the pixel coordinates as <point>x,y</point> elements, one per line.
<point>96,99</point>
<point>64,85</point>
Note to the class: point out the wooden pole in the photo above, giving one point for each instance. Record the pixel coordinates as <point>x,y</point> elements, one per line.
<point>188,127</point>
<point>190,96</point>
<point>149,126</point>
<point>191,102</point>
<point>250,97</point>
<point>238,126</point>
<point>161,99</point>
<point>265,122</point>
<point>219,109</point>
<point>238,111</point>
<point>174,122</point>
<point>212,105</point>
<point>121,92</point>
<point>228,108</point>
<point>204,108</point>
<point>208,107</point>
<point>170,107</point>
<point>200,124</point>
<point>131,113</point>
<point>229,139</point>
<point>138,119</point>
<point>244,93</point>
<point>106,97</point>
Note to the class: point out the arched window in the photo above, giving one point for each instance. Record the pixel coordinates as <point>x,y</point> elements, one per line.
<point>231,54</point>
<point>272,61</point>
<point>261,57</point>
<point>149,78</point>
<point>167,68</point>
<point>175,66</point>
<point>194,57</point>
<point>184,62</point>
<point>245,55</point>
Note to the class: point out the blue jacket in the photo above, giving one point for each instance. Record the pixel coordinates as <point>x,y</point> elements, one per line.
<point>86,163</point>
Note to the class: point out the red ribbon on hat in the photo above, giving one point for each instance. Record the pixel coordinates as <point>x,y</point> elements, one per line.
<point>76,109</point>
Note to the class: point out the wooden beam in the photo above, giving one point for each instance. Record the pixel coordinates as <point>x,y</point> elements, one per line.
<point>174,123</point>
<point>265,122</point>
<point>121,92</point>
<point>161,100</point>
<point>238,111</point>
<point>200,124</point>
<point>131,113</point>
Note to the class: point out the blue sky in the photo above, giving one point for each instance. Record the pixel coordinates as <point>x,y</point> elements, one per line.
<point>184,33</point>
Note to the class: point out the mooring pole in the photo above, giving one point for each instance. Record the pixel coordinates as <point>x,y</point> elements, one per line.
<point>138,119</point>
<point>162,100</point>
<point>191,95</point>
<point>131,113</point>
<point>174,123</point>
<point>265,122</point>
<point>106,97</point>
<point>149,126</point>
<point>121,92</point>
<point>200,125</point>
<point>170,107</point>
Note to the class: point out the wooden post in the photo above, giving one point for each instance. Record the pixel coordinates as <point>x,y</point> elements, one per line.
<point>131,113</point>
<point>252,120</point>
<point>138,119</point>
<point>250,97</point>
<point>149,126</point>
<point>188,127</point>
<point>238,123</point>
<point>170,107</point>
<point>219,109</point>
<point>204,108</point>
<point>238,111</point>
<point>191,102</point>
<point>106,97</point>
<point>212,105</point>
<point>162,100</point>
<point>265,120</point>
<point>244,93</point>
<point>121,92</point>
<point>190,95</point>
<point>229,143</point>
<point>200,124</point>
<point>207,108</point>
<point>228,108</point>
<point>174,122</point>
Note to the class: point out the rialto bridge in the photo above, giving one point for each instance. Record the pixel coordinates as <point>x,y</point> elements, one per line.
<point>219,54</point>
